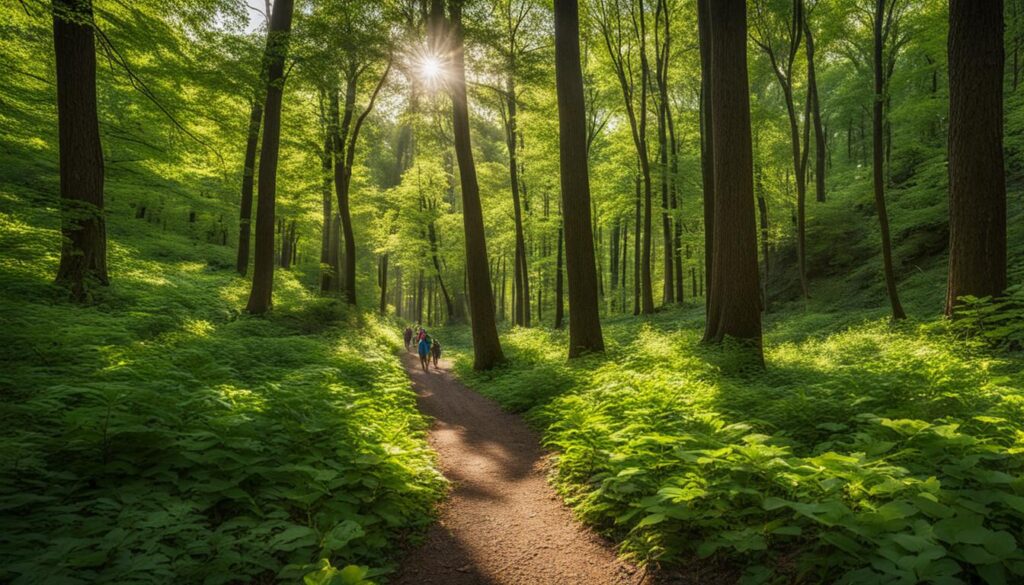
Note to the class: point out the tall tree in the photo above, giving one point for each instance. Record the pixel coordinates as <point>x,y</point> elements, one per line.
<point>626,40</point>
<point>326,179</point>
<point>815,104</point>
<point>977,179</point>
<point>584,318</point>
<point>662,48</point>
<point>486,345</point>
<point>261,294</point>
<point>779,36</point>
<point>735,307</point>
<point>706,154</point>
<point>248,174</point>
<point>83,252</point>
<point>878,155</point>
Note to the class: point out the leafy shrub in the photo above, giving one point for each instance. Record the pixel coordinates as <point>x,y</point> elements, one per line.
<point>159,437</point>
<point>871,455</point>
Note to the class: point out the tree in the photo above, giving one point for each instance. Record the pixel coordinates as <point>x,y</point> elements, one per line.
<point>662,48</point>
<point>248,173</point>
<point>345,142</point>
<point>769,33</point>
<point>734,307</point>
<point>260,296</point>
<point>706,155</point>
<point>584,318</point>
<point>486,345</point>
<point>977,180</point>
<point>878,154</point>
<point>624,41</point>
<point>83,252</point>
<point>815,105</point>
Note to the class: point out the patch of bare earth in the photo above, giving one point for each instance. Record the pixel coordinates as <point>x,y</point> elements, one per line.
<point>502,523</point>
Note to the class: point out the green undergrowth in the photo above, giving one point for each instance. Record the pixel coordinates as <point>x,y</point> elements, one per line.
<point>865,453</point>
<point>159,436</point>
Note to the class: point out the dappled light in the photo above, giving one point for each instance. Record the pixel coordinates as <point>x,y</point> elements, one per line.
<point>512,292</point>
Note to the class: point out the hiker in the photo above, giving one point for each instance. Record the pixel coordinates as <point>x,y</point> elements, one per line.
<point>422,333</point>
<point>435,351</point>
<point>423,348</point>
<point>408,337</point>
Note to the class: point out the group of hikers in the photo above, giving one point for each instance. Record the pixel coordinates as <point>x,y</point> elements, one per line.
<point>428,348</point>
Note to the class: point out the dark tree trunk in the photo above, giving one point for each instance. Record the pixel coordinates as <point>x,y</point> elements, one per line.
<point>734,307</point>
<point>432,236</point>
<point>334,254</point>
<point>677,235</point>
<point>260,297</point>
<point>662,47</point>
<point>342,184</point>
<point>624,272</point>
<point>326,164</point>
<point>245,206</point>
<point>486,345</point>
<point>613,264</point>
<point>815,104</point>
<point>83,252</point>
<point>707,145</point>
<point>559,294</point>
<point>878,163</point>
<point>584,311</point>
<point>977,179</point>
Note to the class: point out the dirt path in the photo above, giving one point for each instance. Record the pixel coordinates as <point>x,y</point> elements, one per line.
<point>502,523</point>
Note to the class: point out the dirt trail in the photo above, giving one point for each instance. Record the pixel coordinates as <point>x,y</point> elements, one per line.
<point>502,523</point>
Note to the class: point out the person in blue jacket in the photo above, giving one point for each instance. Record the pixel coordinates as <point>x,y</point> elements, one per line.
<point>423,348</point>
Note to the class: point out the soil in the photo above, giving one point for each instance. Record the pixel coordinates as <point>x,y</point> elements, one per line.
<point>502,522</point>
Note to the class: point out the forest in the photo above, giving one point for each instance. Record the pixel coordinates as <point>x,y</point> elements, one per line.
<point>730,291</point>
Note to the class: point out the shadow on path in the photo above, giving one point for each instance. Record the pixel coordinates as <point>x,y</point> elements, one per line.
<point>502,523</point>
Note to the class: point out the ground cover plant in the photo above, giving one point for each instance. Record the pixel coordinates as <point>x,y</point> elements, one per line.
<point>159,436</point>
<point>867,453</point>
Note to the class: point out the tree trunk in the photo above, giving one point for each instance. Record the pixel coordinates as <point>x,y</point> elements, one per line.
<point>342,184</point>
<point>707,145</point>
<point>486,345</point>
<point>977,179</point>
<point>677,235</point>
<point>613,264</point>
<point>559,294</point>
<point>326,164</point>
<point>584,310</point>
<point>636,252</point>
<point>83,252</point>
<point>662,49</point>
<point>384,284</point>
<point>334,254</point>
<point>245,206</point>
<point>878,163</point>
<point>735,306</point>
<point>260,297</point>
<point>522,274</point>
<point>815,104</point>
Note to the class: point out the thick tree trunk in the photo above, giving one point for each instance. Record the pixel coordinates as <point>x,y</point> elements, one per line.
<point>486,346</point>
<point>734,306</point>
<point>260,297</point>
<point>245,206</point>
<point>878,163</point>
<point>707,144</point>
<point>584,310</point>
<point>815,103</point>
<point>83,252</point>
<point>977,178</point>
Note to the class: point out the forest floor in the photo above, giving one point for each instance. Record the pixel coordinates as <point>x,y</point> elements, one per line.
<point>502,522</point>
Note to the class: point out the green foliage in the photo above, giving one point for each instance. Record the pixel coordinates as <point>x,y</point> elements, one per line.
<point>161,437</point>
<point>869,455</point>
<point>999,322</point>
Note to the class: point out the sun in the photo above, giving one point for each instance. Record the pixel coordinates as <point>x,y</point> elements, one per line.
<point>430,69</point>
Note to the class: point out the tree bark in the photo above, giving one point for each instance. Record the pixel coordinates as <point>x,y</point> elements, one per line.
<point>559,293</point>
<point>522,273</point>
<point>977,178</point>
<point>662,46</point>
<point>245,206</point>
<point>735,296</point>
<point>815,103</point>
<point>584,310</point>
<point>486,345</point>
<point>878,163</point>
<point>636,252</point>
<point>83,252</point>
<point>326,166</point>
<point>260,297</point>
<point>707,144</point>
